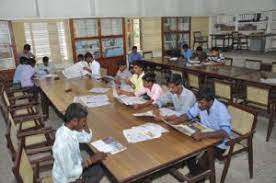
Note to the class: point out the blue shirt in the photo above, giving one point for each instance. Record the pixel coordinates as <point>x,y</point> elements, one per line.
<point>134,56</point>
<point>218,118</point>
<point>187,54</point>
<point>17,73</point>
<point>66,152</point>
<point>182,103</point>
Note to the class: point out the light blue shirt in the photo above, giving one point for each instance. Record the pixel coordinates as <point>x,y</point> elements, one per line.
<point>26,76</point>
<point>218,118</point>
<point>182,103</point>
<point>187,54</point>
<point>67,157</point>
<point>17,73</point>
<point>134,57</point>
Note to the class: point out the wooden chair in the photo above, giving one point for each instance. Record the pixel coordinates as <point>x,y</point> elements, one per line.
<point>193,81</point>
<point>239,40</point>
<point>147,55</point>
<point>253,64</point>
<point>228,61</point>
<point>223,90</point>
<point>29,128</point>
<point>30,171</point>
<point>260,97</point>
<point>273,67</point>
<point>199,39</point>
<point>243,122</point>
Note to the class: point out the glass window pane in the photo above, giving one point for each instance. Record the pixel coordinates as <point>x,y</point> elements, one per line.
<point>169,24</point>
<point>85,28</point>
<point>170,41</point>
<point>111,26</point>
<point>83,46</point>
<point>113,47</point>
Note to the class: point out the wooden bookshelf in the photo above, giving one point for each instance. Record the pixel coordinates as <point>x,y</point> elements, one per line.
<point>176,31</point>
<point>103,35</point>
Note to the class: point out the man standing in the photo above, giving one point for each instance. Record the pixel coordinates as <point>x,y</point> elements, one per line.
<point>68,163</point>
<point>27,52</point>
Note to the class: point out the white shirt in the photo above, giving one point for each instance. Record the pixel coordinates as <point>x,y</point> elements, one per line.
<point>67,157</point>
<point>76,70</point>
<point>181,103</point>
<point>27,73</point>
<point>41,69</point>
<point>96,69</point>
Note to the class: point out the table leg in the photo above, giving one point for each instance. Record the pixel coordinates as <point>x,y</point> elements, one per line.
<point>211,160</point>
<point>44,105</point>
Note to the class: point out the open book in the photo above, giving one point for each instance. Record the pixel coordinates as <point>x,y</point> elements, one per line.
<point>163,111</point>
<point>127,100</point>
<point>92,100</point>
<point>108,145</point>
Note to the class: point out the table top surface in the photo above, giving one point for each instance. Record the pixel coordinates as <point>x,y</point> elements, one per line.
<point>138,159</point>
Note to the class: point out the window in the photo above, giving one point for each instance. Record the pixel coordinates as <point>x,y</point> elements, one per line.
<point>49,38</point>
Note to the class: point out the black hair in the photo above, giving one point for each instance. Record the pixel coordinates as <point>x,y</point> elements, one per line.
<point>23,60</point>
<point>121,62</point>
<point>45,59</point>
<point>31,61</point>
<point>215,49</point>
<point>134,47</point>
<point>181,56</point>
<point>149,77</point>
<point>80,56</point>
<point>88,54</point>
<point>185,46</point>
<point>75,111</point>
<point>206,94</point>
<point>175,79</point>
<point>138,63</point>
<point>27,47</point>
<point>199,48</point>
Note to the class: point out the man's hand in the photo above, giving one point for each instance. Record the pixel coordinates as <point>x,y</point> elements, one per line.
<point>137,106</point>
<point>87,69</point>
<point>198,136</point>
<point>98,157</point>
<point>157,115</point>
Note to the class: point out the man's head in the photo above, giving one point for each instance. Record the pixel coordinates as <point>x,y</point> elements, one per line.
<point>26,48</point>
<point>31,62</point>
<point>75,116</point>
<point>215,51</point>
<point>80,57</point>
<point>181,58</point>
<point>45,61</point>
<point>199,50</point>
<point>23,60</point>
<point>185,47</point>
<point>148,80</point>
<point>205,98</point>
<point>137,67</point>
<point>122,65</point>
<point>134,49</point>
<point>175,84</point>
<point>88,57</point>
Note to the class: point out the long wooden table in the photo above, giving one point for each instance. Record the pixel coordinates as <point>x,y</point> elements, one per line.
<point>139,160</point>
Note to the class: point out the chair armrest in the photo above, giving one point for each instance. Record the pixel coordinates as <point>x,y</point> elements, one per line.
<point>23,106</point>
<point>24,117</point>
<point>22,89</point>
<point>232,142</point>
<point>25,96</point>
<point>42,159</point>
<point>39,150</point>
<point>45,130</point>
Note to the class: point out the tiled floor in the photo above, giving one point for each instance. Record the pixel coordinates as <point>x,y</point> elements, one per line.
<point>264,158</point>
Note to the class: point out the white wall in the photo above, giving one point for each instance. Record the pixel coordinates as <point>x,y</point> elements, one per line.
<point>22,9</point>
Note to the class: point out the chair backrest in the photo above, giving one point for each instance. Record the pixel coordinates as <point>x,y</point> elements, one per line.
<point>253,64</point>
<point>147,54</point>
<point>257,94</point>
<point>193,80</point>
<point>223,89</point>
<point>13,134</point>
<point>197,36</point>
<point>273,67</point>
<point>22,169</point>
<point>243,120</point>
<point>228,61</point>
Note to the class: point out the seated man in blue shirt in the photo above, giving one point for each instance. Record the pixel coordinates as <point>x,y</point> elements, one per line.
<point>214,115</point>
<point>186,52</point>
<point>134,55</point>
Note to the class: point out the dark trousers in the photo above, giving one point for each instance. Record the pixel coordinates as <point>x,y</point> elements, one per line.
<point>93,174</point>
<point>197,167</point>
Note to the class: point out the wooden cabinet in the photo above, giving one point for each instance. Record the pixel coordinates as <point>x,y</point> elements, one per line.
<point>7,50</point>
<point>175,33</point>
<point>103,36</point>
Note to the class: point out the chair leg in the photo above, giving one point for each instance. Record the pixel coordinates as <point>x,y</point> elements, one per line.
<point>271,123</point>
<point>225,169</point>
<point>250,157</point>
